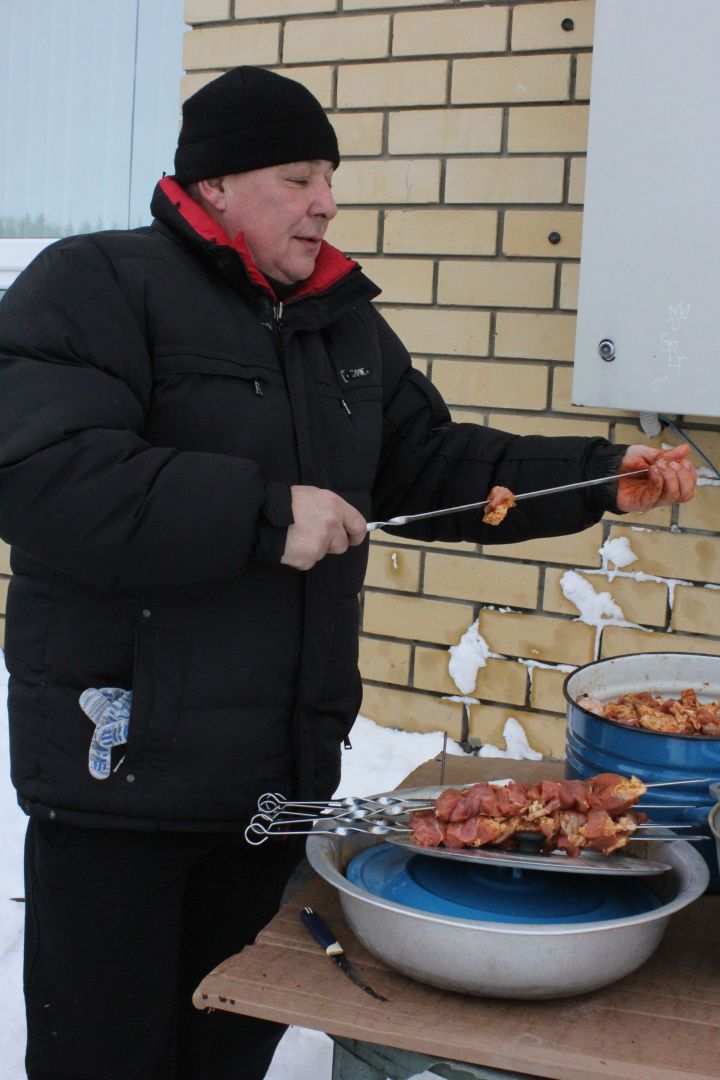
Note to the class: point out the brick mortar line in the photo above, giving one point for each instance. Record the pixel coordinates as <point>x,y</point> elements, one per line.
<point>442,695</point>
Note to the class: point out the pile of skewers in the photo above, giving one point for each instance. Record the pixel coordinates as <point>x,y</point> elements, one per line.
<point>595,814</point>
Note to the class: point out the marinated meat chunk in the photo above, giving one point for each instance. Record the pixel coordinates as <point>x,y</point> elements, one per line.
<point>475,832</point>
<point>427,831</point>
<point>445,804</point>
<point>606,834</point>
<point>614,793</point>
<point>591,704</point>
<point>500,500</point>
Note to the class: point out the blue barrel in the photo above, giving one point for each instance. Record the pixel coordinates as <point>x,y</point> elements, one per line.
<point>595,744</point>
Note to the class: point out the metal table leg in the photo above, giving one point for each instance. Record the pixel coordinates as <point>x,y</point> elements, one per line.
<point>353,1060</point>
<point>347,1066</point>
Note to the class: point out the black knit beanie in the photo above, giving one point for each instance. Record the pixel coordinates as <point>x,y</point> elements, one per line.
<point>250,118</point>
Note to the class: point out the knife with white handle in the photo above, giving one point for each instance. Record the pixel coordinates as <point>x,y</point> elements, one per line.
<point>406,519</point>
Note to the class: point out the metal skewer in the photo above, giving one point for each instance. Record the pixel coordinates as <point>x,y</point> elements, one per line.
<point>663,806</point>
<point>272,801</point>
<point>667,839</point>
<point>274,804</point>
<point>406,519</point>
<point>665,825</point>
<point>256,833</point>
<point>674,783</point>
<point>263,826</point>
<point>443,759</point>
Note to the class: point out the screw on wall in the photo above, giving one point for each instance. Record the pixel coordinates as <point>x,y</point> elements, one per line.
<point>606,348</point>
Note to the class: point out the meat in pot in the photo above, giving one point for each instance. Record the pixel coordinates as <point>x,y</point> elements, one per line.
<point>652,712</point>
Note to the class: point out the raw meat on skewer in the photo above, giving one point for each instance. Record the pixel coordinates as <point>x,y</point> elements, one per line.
<point>500,500</point>
<point>569,815</point>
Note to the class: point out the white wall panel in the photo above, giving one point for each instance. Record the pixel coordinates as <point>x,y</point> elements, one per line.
<point>650,269</point>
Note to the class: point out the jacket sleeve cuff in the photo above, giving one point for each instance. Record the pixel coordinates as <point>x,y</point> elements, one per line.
<point>605,461</point>
<point>275,516</point>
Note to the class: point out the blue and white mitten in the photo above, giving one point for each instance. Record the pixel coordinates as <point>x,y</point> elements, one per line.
<point>109,710</point>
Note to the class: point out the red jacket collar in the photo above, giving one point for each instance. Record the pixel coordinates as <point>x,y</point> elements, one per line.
<point>331,265</point>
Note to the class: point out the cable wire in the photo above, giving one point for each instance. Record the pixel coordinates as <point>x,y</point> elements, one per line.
<point>684,435</point>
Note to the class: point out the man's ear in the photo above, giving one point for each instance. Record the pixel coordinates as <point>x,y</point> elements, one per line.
<point>213,192</point>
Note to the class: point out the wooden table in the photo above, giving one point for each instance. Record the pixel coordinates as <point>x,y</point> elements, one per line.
<point>660,1023</point>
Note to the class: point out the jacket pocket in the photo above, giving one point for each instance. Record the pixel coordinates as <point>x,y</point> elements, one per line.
<point>222,405</point>
<point>166,365</point>
<point>351,419</point>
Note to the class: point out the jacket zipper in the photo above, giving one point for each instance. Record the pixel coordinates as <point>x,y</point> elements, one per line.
<point>278,317</point>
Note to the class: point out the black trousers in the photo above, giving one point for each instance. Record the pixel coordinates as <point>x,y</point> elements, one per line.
<point>120,928</point>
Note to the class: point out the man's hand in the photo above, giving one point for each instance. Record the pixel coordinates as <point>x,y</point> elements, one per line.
<point>324,525</point>
<point>671,478</point>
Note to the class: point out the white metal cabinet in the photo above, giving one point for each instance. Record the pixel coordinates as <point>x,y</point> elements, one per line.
<point>648,331</point>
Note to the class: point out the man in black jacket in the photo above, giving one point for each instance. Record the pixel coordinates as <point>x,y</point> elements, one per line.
<point>195,417</point>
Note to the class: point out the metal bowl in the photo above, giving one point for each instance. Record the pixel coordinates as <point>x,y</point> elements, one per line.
<point>714,818</point>
<point>502,959</point>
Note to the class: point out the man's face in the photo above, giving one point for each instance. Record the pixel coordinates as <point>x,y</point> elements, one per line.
<point>283,212</point>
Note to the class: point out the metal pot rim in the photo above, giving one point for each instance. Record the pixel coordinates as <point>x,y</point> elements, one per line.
<point>635,732</point>
<point>714,818</point>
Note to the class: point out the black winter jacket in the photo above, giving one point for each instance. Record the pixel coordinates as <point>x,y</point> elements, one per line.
<point>156,404</point>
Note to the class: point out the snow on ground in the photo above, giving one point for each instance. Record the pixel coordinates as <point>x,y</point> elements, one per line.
<point>381,757</point>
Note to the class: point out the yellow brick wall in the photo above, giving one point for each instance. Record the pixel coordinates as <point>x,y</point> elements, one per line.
<point>463,130</point>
